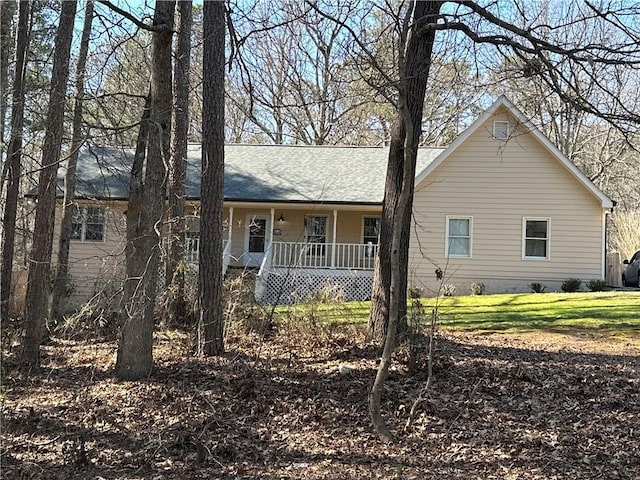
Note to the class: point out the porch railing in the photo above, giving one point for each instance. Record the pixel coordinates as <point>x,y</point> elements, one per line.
<point>192,252</point>
<point>353,256</point>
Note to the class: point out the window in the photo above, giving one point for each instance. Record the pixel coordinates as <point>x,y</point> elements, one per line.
<point>315,234</point>
<point>535,238</point>
<point>501,130</point>
<point>87,224</point>
<point>370,229</point>
<point>459,237</point>
<point>192,246</point>
<point>370,234</point>
<point>257,235</point>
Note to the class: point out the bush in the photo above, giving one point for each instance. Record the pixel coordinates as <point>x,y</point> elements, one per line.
<point>448,290</point>
<point>571,285</point>
<point>98,318</point>
<point>330,293</point>
<point>243,315</point>
<point>537,287</point>
<point>477,288</point>
<point>415,292</point>
<point>596,285</point>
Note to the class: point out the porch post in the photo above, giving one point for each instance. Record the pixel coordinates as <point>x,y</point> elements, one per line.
<point>270,230</point>
<point>333,247</point>
<point>230,223</point>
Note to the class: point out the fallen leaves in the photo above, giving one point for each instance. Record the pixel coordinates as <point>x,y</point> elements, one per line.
<point>539,407</point>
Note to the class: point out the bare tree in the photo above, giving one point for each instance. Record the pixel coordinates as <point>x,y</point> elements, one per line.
<point>297,81</point>
<point>178,164</point>
<point>14,158</point>
<point>416,44</point>
<point>78,138</point>
<point>493,34</point>
<point>6,13</point>
<point>211,323</point>
<point>147,196</point>
<point>625,237</point>
<point>40,256</point>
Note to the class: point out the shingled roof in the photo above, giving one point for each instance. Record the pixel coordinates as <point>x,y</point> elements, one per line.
<point>260,173</point>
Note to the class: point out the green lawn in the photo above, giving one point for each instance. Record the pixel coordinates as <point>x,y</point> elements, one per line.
<point>609,313</point>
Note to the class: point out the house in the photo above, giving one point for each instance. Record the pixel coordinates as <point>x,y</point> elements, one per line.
<point>501,206</point>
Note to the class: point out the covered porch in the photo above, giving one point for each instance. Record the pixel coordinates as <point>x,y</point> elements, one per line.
<point>301,248</point>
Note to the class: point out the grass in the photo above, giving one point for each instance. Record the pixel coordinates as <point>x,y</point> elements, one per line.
<point>602,313</point>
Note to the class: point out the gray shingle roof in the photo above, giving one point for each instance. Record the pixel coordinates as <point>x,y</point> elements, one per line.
<point>260,173</point>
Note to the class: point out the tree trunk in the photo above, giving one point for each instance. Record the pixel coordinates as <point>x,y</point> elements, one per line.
<point>14,159</point>
<point>40,256</point>
<point>6,13</point>
<point>395,298</point>
<point>60,281</point>
<point>146,202</point>
<point>413,66</point>
<point>415,74</point>
<point>178,165</point>
<point>378,319</point>
<point>211,323</point>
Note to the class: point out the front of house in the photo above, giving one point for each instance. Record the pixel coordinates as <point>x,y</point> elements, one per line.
<point>500,206</point>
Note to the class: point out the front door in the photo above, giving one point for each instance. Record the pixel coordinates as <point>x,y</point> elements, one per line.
<point>255,240</point>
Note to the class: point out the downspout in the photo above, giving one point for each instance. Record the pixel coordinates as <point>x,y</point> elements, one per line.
<point>333,247</point>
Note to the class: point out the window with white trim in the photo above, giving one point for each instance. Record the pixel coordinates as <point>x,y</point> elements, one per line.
<point>87,224</point>
<point>192,246</point>
<point>535,238</point>
<point>501,130</point>
<point>459,231</point>
<point>370,234</point>
<point>315,228</point>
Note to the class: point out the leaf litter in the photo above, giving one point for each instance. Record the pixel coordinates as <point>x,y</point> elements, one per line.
<point>525,406</point>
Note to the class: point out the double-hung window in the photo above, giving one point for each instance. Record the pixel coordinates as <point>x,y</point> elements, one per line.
<point>370,234</point>
<point>87,224</point>
<point>535,238</point>
<point>316,234</point>
<point>459,235</point>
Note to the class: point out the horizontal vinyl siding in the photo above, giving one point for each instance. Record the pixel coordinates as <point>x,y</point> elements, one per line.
<point>96,266</point>
<point>498,185</point>
<point>349,226</point>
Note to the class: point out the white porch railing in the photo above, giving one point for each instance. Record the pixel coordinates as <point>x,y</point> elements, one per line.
<point>352,256</point>
<point>192,252</point>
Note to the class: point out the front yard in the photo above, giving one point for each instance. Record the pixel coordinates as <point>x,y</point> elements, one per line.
<point>614,314</point>
<point>532,387</point>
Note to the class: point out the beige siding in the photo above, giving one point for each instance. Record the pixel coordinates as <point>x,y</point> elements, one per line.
<point>349,225</point>
<point>498,184</point>
<point>96,266</point>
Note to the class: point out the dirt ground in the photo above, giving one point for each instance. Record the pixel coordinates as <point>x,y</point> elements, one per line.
<point>526,406</point>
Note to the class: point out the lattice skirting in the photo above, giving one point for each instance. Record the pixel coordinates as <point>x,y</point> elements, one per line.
<point>288,286</point>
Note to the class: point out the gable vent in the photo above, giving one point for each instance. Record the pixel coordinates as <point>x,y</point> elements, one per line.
<point>501,130</point>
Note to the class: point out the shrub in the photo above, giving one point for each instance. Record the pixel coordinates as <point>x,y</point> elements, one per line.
<point>596,285</point>
<point>477,288</point>
<point>330,293</point>
<point>243,315</point>
<point>537,287</point>
<point>571,285</point>
<point>415,292</point>
<point>97,318</point>
<point>448,290</point>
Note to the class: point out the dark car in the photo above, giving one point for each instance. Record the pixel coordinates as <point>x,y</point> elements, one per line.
<point>631,274</point>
